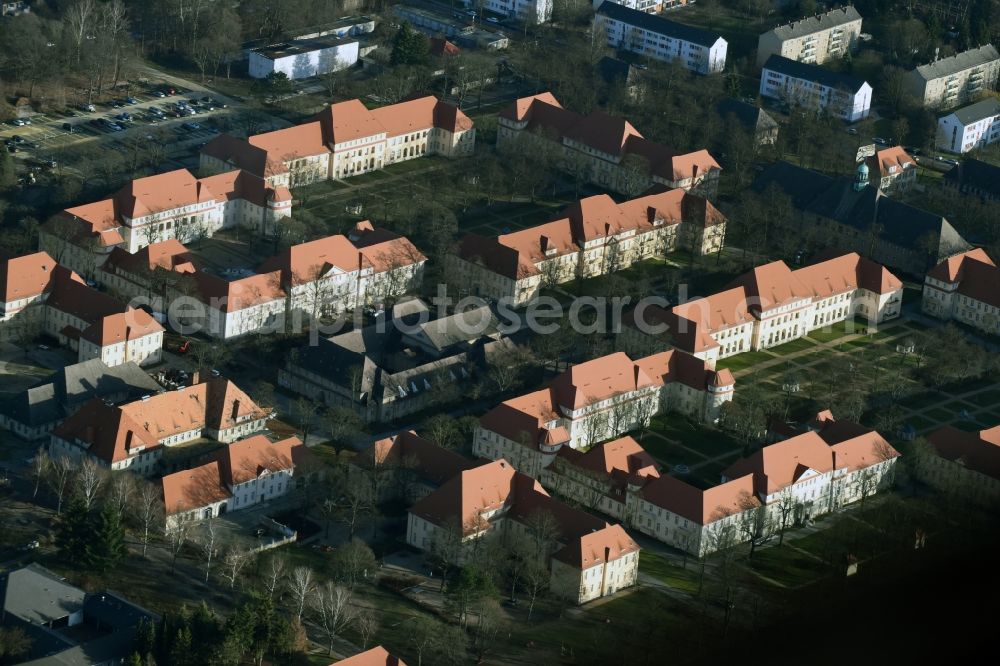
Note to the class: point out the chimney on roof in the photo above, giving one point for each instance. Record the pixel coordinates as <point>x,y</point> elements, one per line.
<point>128,440</point>
<point>694,172</point>
<point>236,408</point>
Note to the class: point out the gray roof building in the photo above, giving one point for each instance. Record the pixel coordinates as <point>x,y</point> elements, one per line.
<point>972,113</point>
<point>35,411</point>
<point>66,626</point>
<point>885,229</point>
<point>810,24</point>
<point>814,39</point>
<point>955,80</point>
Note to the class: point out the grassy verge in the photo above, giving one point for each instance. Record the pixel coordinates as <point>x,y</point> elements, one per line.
<point>669,574</point>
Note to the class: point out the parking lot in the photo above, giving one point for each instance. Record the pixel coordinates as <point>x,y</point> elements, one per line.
<point>175,120</point>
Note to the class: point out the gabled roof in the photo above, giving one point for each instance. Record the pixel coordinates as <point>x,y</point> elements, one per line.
<point>377,656</point>
<point>470,494</point>
<point>657,24</point>
<point>254,456</point>
<point>815,73</point>
<point>810,24</point>
<point>599,379</point>
<point>977,276</point>
<point>779,465</point>
<point>291,143</point>
<point>979,451</point>
<point>884,160</point>
<point>121,327</point>
<point>595,548</point>
<point>113,433</point>
<point>170,255</point>
<point>702,507</point>
<point>751,116</point>
<point>164,191</point>
<point>973,113</point>
<point>956,63</point>
<point>862,451</point>
<point>607,134</point>
<point>434,463</point>
<point>27,276</point>
<point>193,488</point>
<point>623,455</point>
<point>235,295</point>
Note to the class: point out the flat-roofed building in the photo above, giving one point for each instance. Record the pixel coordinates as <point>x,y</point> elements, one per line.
<point>303,58</point>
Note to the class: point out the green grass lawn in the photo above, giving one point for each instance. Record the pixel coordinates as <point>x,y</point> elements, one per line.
<point>787,566</point>
<point>793,346</point>
<point>986,398</point>
<point>921,423</point>
<point>744,360</point>
<point>670,574</point>
<point>708,441</point>
<point>670,454</point>
<point>939,414</point>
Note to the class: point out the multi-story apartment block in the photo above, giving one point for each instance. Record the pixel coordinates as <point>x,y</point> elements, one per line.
<point>851,215</point>
<point>134,436</point>
<point>603,149</point>
<point>958,79</point>
<point>599,400</point>
<point>595,236</point>
<point>813,87</point>
<point>773,304</point>
<point>645,34</point>
<point>529,11</point>
<point>895,169</point>
<point>591,558</point>
<point>648,6</point>
<point>970,127</point>
<point>831,464</point>
<point>345,140</point>
<point>40,296</point>
<point>172,205</point>
<point>242,474</point>
<point>813,39</point>
<point>966,464</point>
<point>966,288</point>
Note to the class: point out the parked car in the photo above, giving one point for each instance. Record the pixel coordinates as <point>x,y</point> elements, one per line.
<point>117,104</point>
<point>17,138</point>
<point>51,163</point>
<point>131,100</point>
<point>159,93</point>
<point>124,117</point>
<point>491,19</point>
<point>880,141</point>
<point>20,122</point>
<point>191,127</point>
<point>89,108</point>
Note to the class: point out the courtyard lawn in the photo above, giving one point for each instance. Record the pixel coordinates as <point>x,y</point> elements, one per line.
<point>985,398</point>
<point>705,440</point>
<point>920,423</point>
<point>744,360</point>
<point>670,454</point>
<point>670,574</point>
<point>793,346</point>
<point>787,566</point>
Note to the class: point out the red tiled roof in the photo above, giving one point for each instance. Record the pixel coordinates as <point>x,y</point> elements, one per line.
<point>169,254</point>
<point>977,276</point>
<point>239,294</point>
<point>432,462</point>
<point>979,452</point>
<point>377,656</point>
<point>895,156</point>
<point>193,488</point>
<point>605,545</point>
<point>779,465</point>
<point>129,325</point>
<point>112,432</point>
<point>249,458</point>
<point>702,506</point>
<point>470,494</point>
<point>27,276</point>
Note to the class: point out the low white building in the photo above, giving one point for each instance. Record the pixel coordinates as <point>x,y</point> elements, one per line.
<point>532,11</point>
<point>599,400</point>
<point>303,58</point>
<point>970,127</point>
<point>643,33</point>
<point>245,473</point>
<point>772,305</point>
<point>814,87</point>
<point>966,288</point>
<point>494,502</point>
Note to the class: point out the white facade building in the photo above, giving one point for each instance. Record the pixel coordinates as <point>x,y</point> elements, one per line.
<point>303,58</point>
<point>957,79</point>
<point>966,288</point>
<point>813,39</point>
<point>642,33</point>
<point>532,11</point>
<point>814,87</point>
<point>970,127</point>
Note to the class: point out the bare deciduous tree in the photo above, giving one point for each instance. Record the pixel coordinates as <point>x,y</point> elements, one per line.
<point>332,609</point>
<point>233,563</point>
<point>121,491</point>
<point>301,585</point>
<point>39,468</point>
<point>207,544</point>
<point>89,480</point>
<point>148,511</point>
<point>367,624</point>
<point>274,577</point>
<point>60,473</point>
<point>176,540</point>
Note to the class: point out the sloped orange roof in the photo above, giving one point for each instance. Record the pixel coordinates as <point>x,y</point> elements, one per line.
<point>377,656</point>
<point>348,121</point>
<point>599,379</point>
<point>862,451</point>
<point>116,328</point>
<point>164,191</point>
<point>620,455</point>
<point>27,276</point>
<point>895,156</point>
<point>702,506</point>
<point>291,143</point>
<point>193,488</point>
<point>470,494</point>
<point>239,294</point>
<point>596,548</point>
<point>977,451</point>
<point>306,262</point>
<point>114,431</point>
<point>391,254</point>
<point>519,110</point>
<point>950,269</point>
<point>169,255</point>
<point>782,464</point>
<point>247,459</point>
<point>977,276</point>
